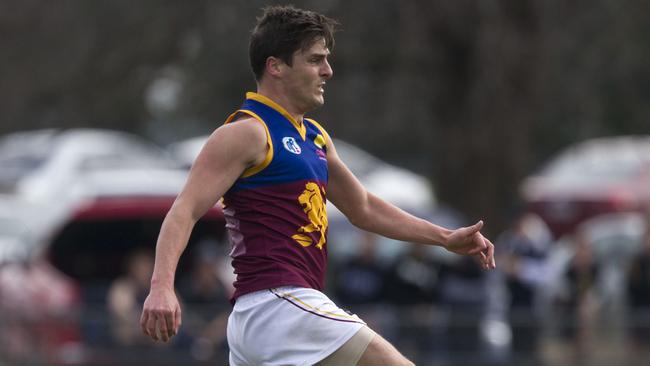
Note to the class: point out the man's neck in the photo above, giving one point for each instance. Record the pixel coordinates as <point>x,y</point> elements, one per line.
<point>281,99</point>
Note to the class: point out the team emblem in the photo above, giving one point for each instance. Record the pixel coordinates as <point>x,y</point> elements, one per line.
<point>291,145</point>
<point>313,204</point>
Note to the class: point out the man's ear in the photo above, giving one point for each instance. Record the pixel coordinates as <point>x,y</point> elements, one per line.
<point>274,66</point>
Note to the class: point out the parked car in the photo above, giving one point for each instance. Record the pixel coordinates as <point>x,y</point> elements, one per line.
<point>591,178</point>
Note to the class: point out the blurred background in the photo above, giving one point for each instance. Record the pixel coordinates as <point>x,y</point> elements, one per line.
<point>531,115</point>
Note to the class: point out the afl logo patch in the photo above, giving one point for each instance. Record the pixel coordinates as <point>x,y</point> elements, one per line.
<point>291,145</point>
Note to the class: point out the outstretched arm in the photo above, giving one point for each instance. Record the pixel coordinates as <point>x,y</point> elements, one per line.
<point>228,152</point>
<point>371,213</point>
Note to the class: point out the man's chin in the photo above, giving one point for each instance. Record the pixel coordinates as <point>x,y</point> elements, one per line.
<point>316,103</point>
<point>310,104</point>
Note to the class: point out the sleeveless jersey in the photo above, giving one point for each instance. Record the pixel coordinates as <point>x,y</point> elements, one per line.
<point>275,212</point>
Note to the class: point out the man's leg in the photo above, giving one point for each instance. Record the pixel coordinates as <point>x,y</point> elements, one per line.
<point>366,348</point>
<point>352,350</point>
<point>381,353</point>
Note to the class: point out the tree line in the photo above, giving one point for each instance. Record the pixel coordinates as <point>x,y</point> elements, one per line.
<point>474,94</point>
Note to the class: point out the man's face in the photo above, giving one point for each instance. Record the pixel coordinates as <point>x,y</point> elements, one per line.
<point>305,79</point>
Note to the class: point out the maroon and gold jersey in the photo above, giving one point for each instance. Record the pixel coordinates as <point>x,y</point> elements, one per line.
<point>275,212</point>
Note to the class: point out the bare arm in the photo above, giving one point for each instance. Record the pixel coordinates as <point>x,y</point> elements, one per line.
<point>229,151</point>
<point>371,213</point>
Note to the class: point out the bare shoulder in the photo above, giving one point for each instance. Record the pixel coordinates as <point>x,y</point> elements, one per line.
<point>249,127</point>
<point>247,130</point>
<point>244,139</point>
<point>331,150</point>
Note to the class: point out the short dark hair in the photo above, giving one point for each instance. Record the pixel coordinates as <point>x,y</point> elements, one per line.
<point>282,30</point>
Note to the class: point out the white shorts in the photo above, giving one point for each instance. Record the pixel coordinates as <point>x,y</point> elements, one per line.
<point>287,326</point>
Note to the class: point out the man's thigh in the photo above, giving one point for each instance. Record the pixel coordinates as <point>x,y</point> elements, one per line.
<point>366,348</point>
<point>352,350</point>
<point>381,353</point>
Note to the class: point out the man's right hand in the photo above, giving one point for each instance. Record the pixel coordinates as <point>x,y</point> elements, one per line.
<point>161,315</point>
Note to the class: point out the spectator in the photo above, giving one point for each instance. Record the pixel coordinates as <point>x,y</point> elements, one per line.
<point>206,298</point>
<point>413,286</point>
<point>638,294</point>
<point>579,304</point>
<point>524,252</point>
<point>463,297</point>
<point>126,296</point>
<point>361,280</point>
<point>414,278</point>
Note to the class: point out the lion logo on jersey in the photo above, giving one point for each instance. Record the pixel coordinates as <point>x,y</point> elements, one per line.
<point>313,205</point>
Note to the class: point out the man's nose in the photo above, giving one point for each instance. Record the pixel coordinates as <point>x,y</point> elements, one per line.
<point>326,70</point>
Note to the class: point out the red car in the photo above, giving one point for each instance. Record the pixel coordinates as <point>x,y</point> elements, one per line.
<point>591,178</point>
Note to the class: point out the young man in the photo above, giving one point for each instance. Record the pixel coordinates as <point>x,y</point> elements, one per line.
<point>273,168</point>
